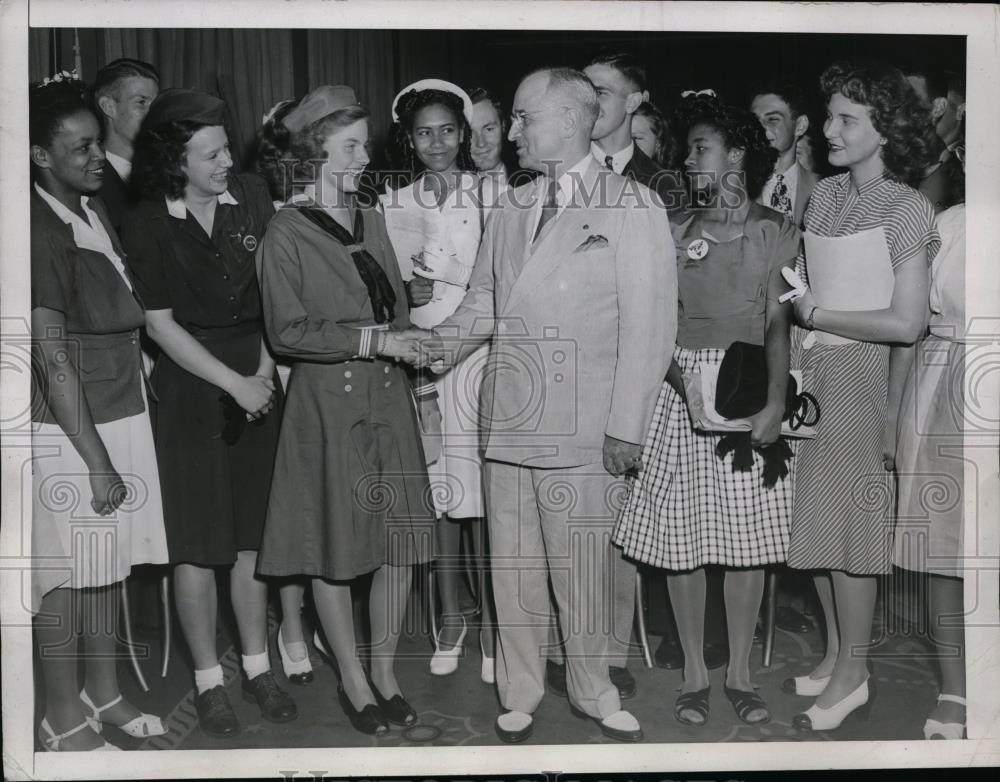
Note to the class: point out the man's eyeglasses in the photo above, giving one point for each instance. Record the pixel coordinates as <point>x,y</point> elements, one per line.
<point>521,119</point>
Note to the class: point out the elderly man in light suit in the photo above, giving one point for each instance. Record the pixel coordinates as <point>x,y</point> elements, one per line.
<point>576,285</point>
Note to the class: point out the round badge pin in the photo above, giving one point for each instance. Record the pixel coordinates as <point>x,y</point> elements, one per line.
<point>250,242</point>
<point>697,250</point>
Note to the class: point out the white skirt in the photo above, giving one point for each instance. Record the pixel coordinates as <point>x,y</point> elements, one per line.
<point>72,546</point>
<point>456,477</point>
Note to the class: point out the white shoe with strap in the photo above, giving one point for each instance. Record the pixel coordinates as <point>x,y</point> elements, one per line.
<point>445,661</point>
<point>143,726</point>
<point>934,729</point>
<point>52,742</point>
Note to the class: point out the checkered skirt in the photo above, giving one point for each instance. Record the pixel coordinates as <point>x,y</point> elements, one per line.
<point>688,508</point>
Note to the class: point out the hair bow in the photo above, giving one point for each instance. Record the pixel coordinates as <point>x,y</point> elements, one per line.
<point>698,93</point>
<point>269,115</point>
<point>61,76</point>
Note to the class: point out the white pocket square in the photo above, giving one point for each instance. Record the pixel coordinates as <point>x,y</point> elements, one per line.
<point>592,242</point>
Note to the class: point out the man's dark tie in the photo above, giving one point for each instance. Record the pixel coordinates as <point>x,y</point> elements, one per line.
<point>609,163</point>
<point>549,207</point>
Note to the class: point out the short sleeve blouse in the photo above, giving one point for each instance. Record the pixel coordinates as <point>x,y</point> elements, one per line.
<point>907,218</point>
<point>723,292</point>
<point>208,282</point>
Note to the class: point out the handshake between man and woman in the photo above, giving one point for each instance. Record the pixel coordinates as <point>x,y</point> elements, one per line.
<point>421,348</point>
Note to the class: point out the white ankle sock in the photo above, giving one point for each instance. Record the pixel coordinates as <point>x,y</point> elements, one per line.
<point>208,678</point>
<point>256,664</point>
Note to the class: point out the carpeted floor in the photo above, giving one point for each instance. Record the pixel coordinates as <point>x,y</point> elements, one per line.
<point>460,709</point>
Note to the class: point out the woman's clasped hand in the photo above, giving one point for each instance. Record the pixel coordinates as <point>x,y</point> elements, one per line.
<point>254,393</point>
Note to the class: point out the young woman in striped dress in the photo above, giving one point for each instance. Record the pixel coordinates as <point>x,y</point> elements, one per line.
<point>842,508</point>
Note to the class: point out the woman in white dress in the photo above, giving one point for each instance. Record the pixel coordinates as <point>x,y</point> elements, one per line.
<point>435,223</point>
<point>930,524</point>
<point>95,488</point>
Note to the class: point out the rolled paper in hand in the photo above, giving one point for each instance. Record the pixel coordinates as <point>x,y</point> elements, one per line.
<point>793,279</point>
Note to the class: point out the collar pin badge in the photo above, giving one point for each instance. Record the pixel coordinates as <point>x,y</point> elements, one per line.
<point>697,250</point>
<point>250,242</point>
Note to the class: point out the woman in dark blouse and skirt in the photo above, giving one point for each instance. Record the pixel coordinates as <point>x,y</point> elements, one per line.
<point>191,250</point>
<point>350,495</point>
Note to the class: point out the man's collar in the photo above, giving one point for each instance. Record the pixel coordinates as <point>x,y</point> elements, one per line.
<point>122,166</point>
<point>619,159</point>
<point>791,171</point>
<point>571,179</point>
<point>176,207</point>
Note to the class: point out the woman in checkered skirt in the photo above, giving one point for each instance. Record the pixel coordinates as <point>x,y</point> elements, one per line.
<point>689,507</point>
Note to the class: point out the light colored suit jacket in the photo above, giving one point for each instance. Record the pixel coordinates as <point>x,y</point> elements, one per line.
<point>583,320</point>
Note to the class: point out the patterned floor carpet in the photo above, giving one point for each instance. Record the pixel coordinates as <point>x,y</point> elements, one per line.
<point>460,709</point>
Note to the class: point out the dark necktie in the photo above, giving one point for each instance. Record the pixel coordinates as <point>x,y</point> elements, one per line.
<point>609,163</point>
<point>780,201</point>
<point>549,207</point>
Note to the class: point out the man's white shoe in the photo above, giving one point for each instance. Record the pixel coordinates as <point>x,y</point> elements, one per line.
<point>514,726</point>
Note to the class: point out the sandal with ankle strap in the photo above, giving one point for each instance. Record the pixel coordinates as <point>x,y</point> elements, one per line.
<point>746,702</point>
<point>51,741</point>
<point>143,726</point>
<point>933,729</point>
<point>693,701</point>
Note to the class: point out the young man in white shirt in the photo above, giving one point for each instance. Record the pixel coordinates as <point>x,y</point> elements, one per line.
<point>123,91</point>
<point>781,111</point>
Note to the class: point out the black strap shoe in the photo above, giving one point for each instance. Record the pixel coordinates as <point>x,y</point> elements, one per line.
<point>275,704</point>
<point>395,709</point>
<point>623,680</point>
<point>369,720</point>
<point>215,714</point>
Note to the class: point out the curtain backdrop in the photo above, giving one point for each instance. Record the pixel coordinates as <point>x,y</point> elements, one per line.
<point>253,69</point>
<point>363,59</point>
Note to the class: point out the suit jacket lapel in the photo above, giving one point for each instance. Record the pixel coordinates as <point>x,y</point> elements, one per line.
<point>550,250</point>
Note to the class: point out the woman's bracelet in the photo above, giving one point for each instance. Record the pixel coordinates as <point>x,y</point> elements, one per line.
<point>809,321</point>
<point>382,337</point>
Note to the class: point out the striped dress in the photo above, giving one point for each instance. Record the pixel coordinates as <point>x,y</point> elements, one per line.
<point>843,499</point>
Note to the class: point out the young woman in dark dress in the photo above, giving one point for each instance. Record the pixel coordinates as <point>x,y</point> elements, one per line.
<point>191,246</point>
